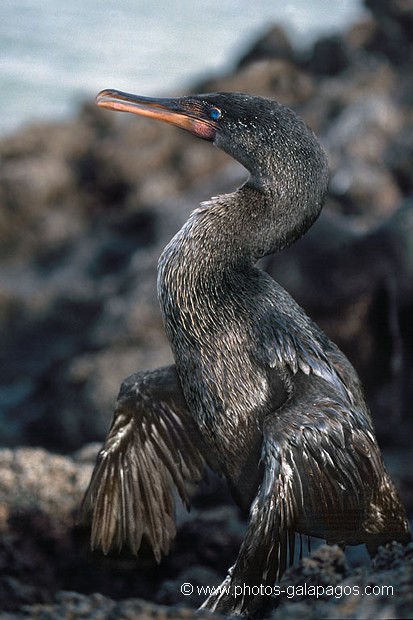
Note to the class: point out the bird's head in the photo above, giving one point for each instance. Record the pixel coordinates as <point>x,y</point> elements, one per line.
<point>281,153</point>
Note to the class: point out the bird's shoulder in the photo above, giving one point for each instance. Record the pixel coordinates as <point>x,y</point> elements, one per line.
<point>289,342</point>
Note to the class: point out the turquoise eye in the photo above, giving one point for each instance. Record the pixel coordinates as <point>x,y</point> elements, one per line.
<point>215,113</point>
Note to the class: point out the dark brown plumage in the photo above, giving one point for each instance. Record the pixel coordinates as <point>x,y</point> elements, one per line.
<point>257,391</point>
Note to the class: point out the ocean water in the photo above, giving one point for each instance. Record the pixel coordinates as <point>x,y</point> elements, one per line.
<point>54,54</point>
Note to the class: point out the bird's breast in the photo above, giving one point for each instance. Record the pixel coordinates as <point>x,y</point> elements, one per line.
<point>210,331</point>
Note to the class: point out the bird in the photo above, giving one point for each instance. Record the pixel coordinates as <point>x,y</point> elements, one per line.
<point>257,392</point>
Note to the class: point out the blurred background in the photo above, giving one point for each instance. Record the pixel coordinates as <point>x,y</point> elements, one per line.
<point>55,55</point>
<point>89,198</point>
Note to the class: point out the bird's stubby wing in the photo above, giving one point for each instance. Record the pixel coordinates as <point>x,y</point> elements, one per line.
<point>316,467</point>
<point>152,446</point>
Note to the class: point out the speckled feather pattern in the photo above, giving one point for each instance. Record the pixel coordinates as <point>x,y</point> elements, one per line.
<point>257,391</point>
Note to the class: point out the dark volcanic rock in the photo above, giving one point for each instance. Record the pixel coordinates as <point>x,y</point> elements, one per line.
<point>273,44</point>
<point>39,494</point>
<point>44,558</point>
<point>393,37</point>
<point>385,591</point>
<point>73,606</point>
<point>330,56</point>
<point>44,550</point>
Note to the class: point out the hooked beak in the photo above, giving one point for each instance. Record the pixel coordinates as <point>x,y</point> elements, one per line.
<point>185,112</point>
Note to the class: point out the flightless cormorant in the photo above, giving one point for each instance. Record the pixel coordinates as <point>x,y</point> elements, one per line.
<point>257,391</point>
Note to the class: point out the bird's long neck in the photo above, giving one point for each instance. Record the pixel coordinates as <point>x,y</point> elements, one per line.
<point>206,281</point>
<point>207,260</point>
<point>211,259</point>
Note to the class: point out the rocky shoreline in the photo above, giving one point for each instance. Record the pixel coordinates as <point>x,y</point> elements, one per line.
<point>85,210</point>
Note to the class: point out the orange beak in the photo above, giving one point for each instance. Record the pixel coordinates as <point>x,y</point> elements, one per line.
<point>185,112</point>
